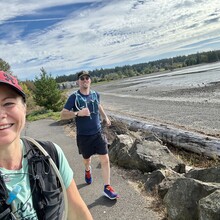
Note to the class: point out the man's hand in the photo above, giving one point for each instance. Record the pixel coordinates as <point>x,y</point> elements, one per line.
<point>84,112</point>
<point>106,121</point>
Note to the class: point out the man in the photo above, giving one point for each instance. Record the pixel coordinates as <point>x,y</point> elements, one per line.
<point>29,188</point>
<point>84,105</point>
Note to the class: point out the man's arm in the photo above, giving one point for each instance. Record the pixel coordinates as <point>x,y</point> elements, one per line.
<point>77,209</point>
<point>104,116</point>
<point>66,114</point>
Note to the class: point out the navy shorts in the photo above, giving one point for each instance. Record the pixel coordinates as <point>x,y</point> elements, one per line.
<point>89,145</point>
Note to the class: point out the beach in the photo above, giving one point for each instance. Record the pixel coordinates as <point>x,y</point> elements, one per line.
<point>188,99</point>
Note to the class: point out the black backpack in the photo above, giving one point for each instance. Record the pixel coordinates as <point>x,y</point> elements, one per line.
<point>46,189</point>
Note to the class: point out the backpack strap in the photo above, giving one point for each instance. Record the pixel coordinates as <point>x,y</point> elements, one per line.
<point>95,96</point>
<point>81,102</point>
<point>47,145</point>
<point>5,210</point>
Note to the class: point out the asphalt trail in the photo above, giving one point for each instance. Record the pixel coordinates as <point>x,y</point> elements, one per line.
<point>131,205</point>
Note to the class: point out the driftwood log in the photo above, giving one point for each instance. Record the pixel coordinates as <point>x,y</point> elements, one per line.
<point>190,141</point>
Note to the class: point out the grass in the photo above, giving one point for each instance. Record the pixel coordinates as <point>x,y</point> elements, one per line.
<point>43,114</point>
<point>193,159</point>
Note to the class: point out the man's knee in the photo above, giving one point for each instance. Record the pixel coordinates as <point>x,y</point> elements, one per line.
<point>104,158</point>
<point>87,160</point>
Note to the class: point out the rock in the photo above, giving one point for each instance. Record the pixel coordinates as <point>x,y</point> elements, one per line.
<point>183,197</point>
<point>209,207</point>
<point>185,192</point>
<point>206,175</point>
<point>188,193</point>
<point>170,178</point>
<point>146,156</point>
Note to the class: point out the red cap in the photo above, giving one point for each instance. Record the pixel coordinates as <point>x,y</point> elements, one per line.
<point>11,81</point>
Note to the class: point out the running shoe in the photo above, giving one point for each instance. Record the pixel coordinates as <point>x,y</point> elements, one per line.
<point>88,176</point>
<point>109,192</point>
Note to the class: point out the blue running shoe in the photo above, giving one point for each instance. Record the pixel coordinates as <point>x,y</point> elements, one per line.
<point>110,193</point>
<point>88,176</point>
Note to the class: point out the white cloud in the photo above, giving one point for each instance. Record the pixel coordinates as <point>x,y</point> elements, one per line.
<point>109,34</point>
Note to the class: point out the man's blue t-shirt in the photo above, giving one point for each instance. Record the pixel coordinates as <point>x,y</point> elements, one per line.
<point>86,125</point>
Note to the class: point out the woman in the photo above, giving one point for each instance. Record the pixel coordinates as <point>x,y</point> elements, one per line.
<point>16,192</point>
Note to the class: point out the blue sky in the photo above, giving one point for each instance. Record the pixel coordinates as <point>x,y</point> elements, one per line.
<point>69,35</point>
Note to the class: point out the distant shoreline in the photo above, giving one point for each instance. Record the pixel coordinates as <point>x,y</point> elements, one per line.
<point>189,67</point>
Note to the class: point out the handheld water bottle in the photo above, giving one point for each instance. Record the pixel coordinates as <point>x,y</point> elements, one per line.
<point>13,194</point>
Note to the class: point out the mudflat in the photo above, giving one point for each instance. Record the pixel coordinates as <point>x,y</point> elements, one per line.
<point>188,100</point>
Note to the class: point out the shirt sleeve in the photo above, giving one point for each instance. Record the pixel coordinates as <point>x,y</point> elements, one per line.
<point>65,170</point>
<point>70,103</point>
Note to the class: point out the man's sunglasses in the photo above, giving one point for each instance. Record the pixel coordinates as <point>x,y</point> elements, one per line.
<point>84,78</point>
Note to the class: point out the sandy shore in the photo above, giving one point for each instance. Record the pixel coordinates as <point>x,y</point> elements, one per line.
<point>194,108</point>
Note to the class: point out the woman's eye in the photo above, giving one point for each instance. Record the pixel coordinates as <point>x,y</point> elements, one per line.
<point>8,104</point>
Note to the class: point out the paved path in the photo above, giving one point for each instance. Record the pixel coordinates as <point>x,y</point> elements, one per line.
<point>131,205</point>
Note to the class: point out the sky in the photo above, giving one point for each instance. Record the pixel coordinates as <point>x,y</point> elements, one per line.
<point>67,36</point>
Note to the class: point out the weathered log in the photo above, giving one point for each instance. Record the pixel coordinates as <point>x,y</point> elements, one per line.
<point>191,141</point>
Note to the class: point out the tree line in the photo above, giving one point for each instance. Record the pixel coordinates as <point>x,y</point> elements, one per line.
<point>168,64</point>
<point>44,90</point>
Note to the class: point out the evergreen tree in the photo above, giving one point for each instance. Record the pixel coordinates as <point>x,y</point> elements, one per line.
<point>4,66</point>
<point>46,92</point>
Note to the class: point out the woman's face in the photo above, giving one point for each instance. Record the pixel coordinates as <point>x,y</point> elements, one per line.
<point>12,115</point>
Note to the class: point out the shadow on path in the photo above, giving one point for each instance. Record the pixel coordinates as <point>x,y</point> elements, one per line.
<point>103,201</point>
<point>80,186</point>
<point>60,123</point>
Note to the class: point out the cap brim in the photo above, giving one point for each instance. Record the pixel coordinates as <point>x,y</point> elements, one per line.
<point>15,89</point>
<point>84,74</point>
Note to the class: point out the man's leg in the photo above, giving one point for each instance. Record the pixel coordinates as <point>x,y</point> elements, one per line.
<point>88,174</point>
<point>108,190</point>
<point>87,163</point>
<point>105,165</point>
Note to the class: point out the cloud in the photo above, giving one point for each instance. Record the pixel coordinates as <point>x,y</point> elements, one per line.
<point>67,36</point>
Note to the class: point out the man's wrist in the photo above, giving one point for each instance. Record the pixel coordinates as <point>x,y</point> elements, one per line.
<point>76,114</point>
